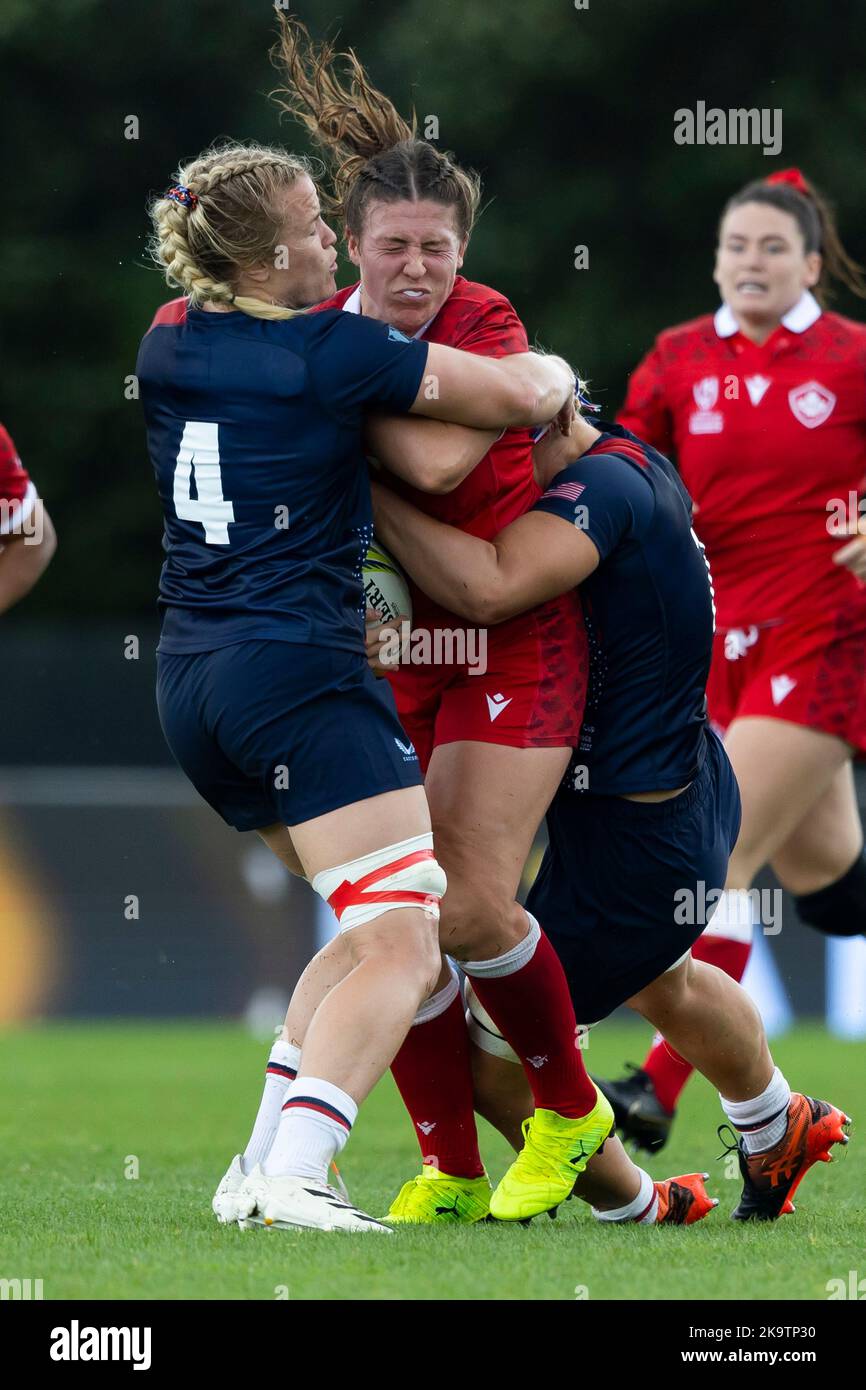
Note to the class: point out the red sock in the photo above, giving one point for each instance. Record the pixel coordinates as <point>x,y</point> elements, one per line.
<point>531,1006</point>
<point>433,1073</point>
<point>667,1069</point>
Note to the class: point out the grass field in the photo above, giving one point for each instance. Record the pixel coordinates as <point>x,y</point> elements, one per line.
<point>82,1105</point>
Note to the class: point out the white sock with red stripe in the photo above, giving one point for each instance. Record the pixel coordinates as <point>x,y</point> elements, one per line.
<point>643,1209</point>
<point>282,1068</point>
<point>315,1124</point>
<point>763,1120</point>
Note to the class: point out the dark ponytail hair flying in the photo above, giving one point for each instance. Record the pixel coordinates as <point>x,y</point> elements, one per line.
<point>372,153</point>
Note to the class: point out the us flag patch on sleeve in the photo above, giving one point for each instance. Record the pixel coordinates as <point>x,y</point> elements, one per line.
<point>568,491</point>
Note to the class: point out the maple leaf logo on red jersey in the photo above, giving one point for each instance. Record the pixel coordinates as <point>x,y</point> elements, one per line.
<point>811,404</point>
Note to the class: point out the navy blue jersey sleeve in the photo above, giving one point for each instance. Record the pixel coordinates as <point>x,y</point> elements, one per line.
<point>604,495</point>
<point>357,363</point>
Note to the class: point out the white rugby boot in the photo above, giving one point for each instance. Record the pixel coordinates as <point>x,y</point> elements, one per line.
<point>225,1197</point>
<point>289,1202</point>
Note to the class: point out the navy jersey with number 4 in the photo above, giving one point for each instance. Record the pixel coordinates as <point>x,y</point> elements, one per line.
<point>649,617</point>
<point>254,431</point>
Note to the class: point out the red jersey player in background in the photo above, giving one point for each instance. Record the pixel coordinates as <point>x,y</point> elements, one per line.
<point>494,737</point>
<point>763,406</point>
<point>27,539</point>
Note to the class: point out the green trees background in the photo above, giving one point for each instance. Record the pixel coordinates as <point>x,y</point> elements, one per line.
<point>567,112</point>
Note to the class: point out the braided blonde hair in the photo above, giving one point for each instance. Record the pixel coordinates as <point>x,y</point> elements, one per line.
<point>235,224</point>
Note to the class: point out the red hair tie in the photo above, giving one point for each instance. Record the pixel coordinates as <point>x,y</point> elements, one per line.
<point>790,176</point>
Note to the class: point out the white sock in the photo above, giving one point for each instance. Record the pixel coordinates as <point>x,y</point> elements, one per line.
<point>436,1004</point>
<point>643,1209</point>
<point>315,1124</point>
<point>513,960</point>
<point>735,917</point>
<point>761,1121</point>
<point>282,1068</point>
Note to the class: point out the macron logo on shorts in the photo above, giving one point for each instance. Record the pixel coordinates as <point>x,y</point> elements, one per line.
<point>496,704</point>
<point>781,686</point>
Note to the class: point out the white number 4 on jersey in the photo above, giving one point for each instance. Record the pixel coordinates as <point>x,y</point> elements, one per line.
<point>199,449</point>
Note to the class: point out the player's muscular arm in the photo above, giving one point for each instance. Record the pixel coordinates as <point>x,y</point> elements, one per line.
<point>23,561</point>
<point>534,559</point>
<point>524,389</point>
<point>430,454</point>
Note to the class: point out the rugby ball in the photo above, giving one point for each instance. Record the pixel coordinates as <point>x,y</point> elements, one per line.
<point>385,587</point>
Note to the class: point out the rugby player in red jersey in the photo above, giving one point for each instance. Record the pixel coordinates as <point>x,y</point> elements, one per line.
<point>763,406</point>
<point>254,410</point>
<point>27,539</point>
<point>613,1177</point>
<point>494,735</point>
<point>408,211</point>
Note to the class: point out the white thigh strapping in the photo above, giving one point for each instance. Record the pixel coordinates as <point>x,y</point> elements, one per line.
<point>482,1029</point>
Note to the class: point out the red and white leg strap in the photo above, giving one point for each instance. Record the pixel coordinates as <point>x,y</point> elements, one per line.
<point>405,874</point>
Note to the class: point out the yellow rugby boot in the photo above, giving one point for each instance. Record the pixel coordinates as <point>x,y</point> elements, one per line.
<point>555,1150</point>
<point>433,1197</point>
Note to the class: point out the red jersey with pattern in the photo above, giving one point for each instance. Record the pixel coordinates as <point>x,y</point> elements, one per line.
<point>770,440</point>
<point>500,487</point>
<point>17,492</point>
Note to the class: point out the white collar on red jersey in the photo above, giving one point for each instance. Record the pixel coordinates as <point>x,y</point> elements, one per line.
<point>353,306</point>
<point>804,313</point>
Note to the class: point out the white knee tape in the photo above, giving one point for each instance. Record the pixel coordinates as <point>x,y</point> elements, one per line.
<point>482,1029</point>
<point>402,875</point>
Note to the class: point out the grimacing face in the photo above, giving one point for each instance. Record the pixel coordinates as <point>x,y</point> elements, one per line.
<point>762,266</point>
<point>408,254</point>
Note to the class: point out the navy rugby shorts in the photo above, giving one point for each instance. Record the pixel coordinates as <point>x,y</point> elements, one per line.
<point>273,731</point>
<point>615,886</point>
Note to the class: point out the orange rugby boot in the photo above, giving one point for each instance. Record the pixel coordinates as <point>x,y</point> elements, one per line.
<point>683,1200</point>
<point>771,1178</point>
